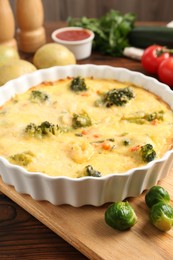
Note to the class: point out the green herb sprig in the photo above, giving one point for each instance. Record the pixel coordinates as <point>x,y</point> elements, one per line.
<point>111,31</point>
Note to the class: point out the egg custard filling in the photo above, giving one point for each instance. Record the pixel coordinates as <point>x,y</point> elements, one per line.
<point>79,127</point>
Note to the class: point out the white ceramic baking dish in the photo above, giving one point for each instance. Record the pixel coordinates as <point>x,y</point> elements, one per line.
<point>87,190</point>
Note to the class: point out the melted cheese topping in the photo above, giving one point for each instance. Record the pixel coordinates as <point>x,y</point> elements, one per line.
<point>101,145</point>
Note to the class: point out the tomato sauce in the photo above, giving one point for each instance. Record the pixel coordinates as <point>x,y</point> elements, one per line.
<point>73,35</point>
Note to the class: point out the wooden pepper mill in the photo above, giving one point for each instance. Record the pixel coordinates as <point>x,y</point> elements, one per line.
<point>7,24</point>
<point>30,32</point>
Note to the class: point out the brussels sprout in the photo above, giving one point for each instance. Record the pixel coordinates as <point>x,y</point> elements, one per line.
<point>161,216</point>
<point>155,195</point>
<point>120,215</point>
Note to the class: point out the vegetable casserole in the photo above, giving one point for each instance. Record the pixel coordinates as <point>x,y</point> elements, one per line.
<point>85,126</point>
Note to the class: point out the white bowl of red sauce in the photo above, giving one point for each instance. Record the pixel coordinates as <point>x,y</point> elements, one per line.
<point>78,40</point>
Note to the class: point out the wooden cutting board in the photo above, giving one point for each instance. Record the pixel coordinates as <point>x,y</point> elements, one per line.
<point>85,228</point>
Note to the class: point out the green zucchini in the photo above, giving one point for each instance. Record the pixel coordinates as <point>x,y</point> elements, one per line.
<point>144,36</point>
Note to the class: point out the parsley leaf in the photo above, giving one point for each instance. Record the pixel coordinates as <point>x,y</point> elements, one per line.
<point>111,31</point>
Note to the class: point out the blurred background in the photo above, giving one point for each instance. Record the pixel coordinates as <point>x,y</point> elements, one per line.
<point>145,10</point>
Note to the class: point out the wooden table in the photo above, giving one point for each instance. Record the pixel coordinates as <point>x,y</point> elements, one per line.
<point>24,237</point>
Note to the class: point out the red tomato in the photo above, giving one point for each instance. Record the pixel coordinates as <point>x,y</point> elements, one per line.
<point>152,57</point>
<point>165,71</point>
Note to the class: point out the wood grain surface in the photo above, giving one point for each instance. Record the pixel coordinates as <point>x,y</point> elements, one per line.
<point>145,10</point>
<point>23,237</point>
<point>85,229</point>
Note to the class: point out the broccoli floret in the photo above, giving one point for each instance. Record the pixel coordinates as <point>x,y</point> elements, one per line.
<point>48,128</point>
<point>38,96</point>
<point>118,97</point>
<point>78,84</point>
<point>89,171</point>
<point>147,152</point>
<point>31,129</point>
<point>81,120</point>
<point>45,128</point>
<point>22,159</point>
<point>155,115</point>
<point>126,142</point>
<point>142,119</point>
